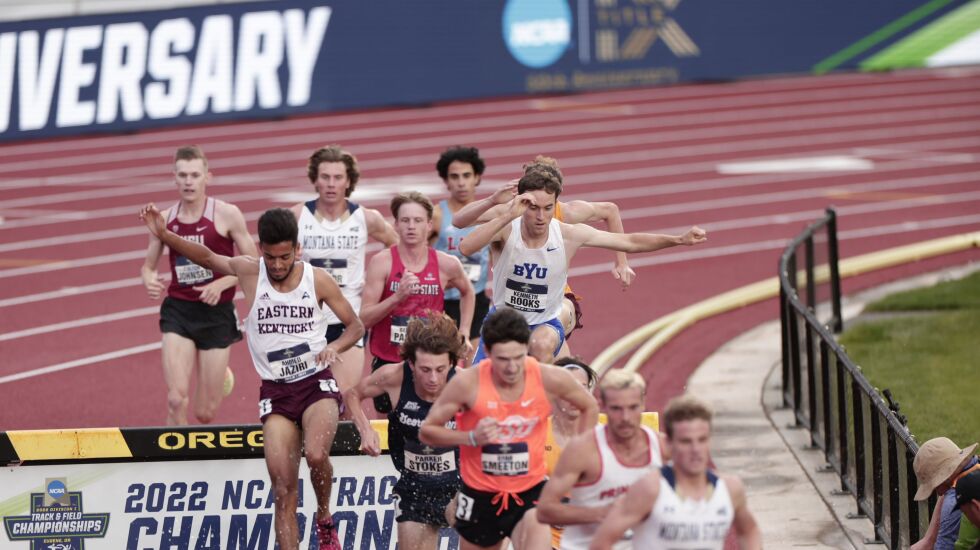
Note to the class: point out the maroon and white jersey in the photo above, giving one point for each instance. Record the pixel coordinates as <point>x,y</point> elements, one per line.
<point>389,333</point>
<point>185,274</point>
<point>614,479</point>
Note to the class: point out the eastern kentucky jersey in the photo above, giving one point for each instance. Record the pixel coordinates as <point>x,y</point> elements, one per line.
<point>615,478</point>
<point>185,274</point>
<point>418,463</point>
<point>684,524</point>
<point>337,246</point>
<point>531,280</point>
<point>475,266</point>
<point>285,329</point>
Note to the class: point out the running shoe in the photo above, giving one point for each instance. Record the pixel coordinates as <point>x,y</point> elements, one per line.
<point>326,535</point>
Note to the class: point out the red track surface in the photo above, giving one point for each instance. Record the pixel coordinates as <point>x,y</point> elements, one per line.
<point>79,338</point>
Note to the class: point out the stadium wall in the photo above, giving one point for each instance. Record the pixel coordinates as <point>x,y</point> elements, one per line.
<point>128,71</point>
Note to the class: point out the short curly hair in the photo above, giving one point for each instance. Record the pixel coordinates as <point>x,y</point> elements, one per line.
<point>334,153</point>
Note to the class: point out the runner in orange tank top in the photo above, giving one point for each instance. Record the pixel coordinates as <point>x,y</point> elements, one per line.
<point>503,406</point>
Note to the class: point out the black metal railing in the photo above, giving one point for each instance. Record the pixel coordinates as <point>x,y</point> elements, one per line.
<point>863,440</point>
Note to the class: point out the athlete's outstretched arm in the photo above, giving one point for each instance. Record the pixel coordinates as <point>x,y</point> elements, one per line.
<point>584,235</point>
<point>608,212</point>
<point>574,461</point>
<point>746,528</point>
<point>328,292</point>
<point>559,383</point>
<point>494,229</point>
<point>197,253</point>
<point>151,278</point>
<point>484,210</point>
<point>628,511</point>
<point>454,398</point>
<point>384,380</point>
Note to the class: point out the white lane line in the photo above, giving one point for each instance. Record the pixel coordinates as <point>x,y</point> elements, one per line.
<point>76,323</point>
<point>668,258</point>
<point>72,291</point>
<point>705,96</point>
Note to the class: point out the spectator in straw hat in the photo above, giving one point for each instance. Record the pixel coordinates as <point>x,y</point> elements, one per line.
<point>937,465</point>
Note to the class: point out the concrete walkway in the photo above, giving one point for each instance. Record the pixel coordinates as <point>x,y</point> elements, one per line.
<point>753,436</point>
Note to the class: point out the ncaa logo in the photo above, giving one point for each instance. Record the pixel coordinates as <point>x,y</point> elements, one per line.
<point>55,490</point>
<point>537,32</point>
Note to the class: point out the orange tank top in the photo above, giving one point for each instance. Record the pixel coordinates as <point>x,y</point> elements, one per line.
<point>515,462</point>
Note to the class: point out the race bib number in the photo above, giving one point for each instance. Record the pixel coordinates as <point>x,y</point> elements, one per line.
<point>292,363</point>
<point>464,506</point>
<point>337,268</point>
<point>524,296</point>
<point>508,459</point>
<point>473,271</point>
<point>399,328</point>
<point>425,460</point>
<point>190,274</point>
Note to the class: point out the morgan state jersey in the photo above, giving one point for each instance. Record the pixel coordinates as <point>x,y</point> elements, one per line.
<point>531,280</point>
<point>285,329</point>
<point>337,246</point>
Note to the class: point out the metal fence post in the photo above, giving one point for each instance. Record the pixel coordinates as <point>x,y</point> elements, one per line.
<point>837,323</point>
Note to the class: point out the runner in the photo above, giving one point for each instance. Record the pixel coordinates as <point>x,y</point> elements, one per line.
<point>429,477</point>
<point>299,399</point>
<point>197,318</point>
<point>685,505</point>
<point>503,405</point>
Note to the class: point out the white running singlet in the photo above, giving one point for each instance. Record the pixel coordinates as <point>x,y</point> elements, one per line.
<point>676,524</point>
<point>615,478</point>
<point>337,246</point>
<point>531,280</point>
<point>286,329</point>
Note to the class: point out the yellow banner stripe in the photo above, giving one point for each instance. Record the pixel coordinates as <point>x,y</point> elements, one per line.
<point>69,444</point>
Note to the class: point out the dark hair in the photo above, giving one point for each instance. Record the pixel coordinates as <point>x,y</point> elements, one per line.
<point>461,153</point>
<point>540,178</point>
<point>410,196</point>
<point>576,362</point>
<point>278,225</point>
<point>685,407</point>
<point>505,325</point>
<point>436,334</point>
<point>333,153</point>
<point>190,152</point>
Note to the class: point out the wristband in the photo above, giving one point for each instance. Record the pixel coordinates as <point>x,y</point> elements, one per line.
<point>472,439</point>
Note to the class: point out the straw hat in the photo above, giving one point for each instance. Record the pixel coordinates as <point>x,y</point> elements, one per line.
<point>937,460</point>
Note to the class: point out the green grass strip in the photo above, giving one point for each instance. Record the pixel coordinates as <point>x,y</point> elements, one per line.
<point>916,49</point>
<point>881,34</point>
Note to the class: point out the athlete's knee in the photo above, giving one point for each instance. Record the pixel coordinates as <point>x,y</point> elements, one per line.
<point>205,413</point>
<point>320,459</point>
<point>176,399</point>
<point>542,345</point>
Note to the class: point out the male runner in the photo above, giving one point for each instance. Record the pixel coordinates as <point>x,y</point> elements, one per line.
<point>503,405</point>
<point>685,505</point>
<point>597,467</point>
<point>408,280</point>
<point>429,476</point>
<point>197,318</point>
<point>333,234</point>
<point>299,399</point>
<point>461,169</point>
<point>531,253</point>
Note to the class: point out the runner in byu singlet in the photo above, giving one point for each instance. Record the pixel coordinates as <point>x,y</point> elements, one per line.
<point>461,169</point>
<point>503,405</point>
<point>429,476</point>
<point>599,466</point>
<point>531,252</point>
<point>299,399</point>
<point>684,506</point>
<point>408,280</point>
<point>197,317</point>
<point>333,234</point>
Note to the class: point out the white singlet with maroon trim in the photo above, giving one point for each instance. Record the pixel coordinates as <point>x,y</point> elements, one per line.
<point>531,280</point>
<point>614,479</point>
<point>286,329</point>
<point>686,524</point>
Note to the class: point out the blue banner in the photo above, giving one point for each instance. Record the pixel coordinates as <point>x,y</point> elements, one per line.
<point>225,62</point>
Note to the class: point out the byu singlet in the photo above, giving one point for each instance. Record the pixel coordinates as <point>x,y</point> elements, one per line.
<point>337,246</point>
<point>531,280</point>
<point>285,329</point>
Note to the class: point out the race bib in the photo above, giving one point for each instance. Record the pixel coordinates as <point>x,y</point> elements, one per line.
<point>424,460</point>
<point>337,268</point>
<point>508,459</point>
<point>292,363</point>
<point>399,328</point>
<point>524,296</point>
<point>473,271</point>
<point>190,274</point>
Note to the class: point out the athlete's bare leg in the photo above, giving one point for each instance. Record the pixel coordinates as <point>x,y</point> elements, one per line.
<point>348,372</point>
<point>417,536</point>
<point>319,429</point>
<point>529,533</point>
<point>282,454</point>
<point>212,364</point>
<point>544,341</point>
<point>179,355</point>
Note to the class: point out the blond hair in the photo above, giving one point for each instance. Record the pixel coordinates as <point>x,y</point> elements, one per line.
<point>619,379</point>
